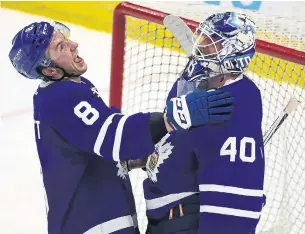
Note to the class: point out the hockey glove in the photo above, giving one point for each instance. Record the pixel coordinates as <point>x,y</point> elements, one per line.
<point>199,108</point>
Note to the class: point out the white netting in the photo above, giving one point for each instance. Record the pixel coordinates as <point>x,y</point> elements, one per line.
<point>153,61</point>
<point>289,32</point>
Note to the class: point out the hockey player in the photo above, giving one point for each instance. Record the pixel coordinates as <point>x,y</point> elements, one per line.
<point>76,133</point>
<point>209,180</point>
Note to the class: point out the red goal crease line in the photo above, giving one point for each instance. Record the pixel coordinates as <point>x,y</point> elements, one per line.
<point>143,13</point>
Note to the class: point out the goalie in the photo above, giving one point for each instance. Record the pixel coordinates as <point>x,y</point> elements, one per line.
<point>210,180</point>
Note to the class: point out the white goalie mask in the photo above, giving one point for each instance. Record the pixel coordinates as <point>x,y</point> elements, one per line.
<point>222,44</point>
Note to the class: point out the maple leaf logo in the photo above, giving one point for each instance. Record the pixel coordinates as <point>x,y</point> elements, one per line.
<point>162,152</point>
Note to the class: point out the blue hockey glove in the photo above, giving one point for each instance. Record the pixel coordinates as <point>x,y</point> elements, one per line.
<point>199,108</point>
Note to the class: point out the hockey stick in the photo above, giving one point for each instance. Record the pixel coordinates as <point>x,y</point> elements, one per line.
<point>184,34</point>
<point>181,32</point>
<point>290,107</point>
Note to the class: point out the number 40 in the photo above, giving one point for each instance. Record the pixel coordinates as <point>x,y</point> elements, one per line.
<point>229,148</point>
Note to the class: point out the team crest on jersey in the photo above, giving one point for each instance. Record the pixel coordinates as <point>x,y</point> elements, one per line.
<point>163,150</point>
<point>153,161</point>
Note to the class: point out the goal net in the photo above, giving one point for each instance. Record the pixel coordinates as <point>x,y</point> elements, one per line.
<point>146,60</point>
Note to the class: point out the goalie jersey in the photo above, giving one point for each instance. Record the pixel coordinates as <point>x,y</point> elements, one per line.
<point>80,142</point>
<point>223,165</point>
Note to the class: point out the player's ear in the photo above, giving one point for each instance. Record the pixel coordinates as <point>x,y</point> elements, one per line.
<point>49,71</point>
<point>52,72</point>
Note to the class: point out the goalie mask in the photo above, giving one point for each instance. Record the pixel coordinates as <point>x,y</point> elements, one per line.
<point>222,44</point>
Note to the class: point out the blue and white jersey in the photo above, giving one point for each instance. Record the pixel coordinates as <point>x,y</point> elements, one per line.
<point>172,173</point>
<point>80,141</point>
<point>80,115</point>
<point>223,163</point>
<point>171,178</point>
<point>232,166</point>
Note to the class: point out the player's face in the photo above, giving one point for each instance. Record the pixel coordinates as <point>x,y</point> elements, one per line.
<point>210,47</point>
<point>63,52</point>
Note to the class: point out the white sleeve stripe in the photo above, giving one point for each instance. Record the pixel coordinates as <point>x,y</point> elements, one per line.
<point>118,139</point>
<point>230,189</point>
<point>230,211</point>
<point>101,136</point>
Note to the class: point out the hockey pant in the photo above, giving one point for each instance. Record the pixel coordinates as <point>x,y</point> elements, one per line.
<point>182,219</point>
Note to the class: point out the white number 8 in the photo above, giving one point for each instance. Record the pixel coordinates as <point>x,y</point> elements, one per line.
<point>88,109</point>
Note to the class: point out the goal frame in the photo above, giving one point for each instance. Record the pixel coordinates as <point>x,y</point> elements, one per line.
<point>118,45</point>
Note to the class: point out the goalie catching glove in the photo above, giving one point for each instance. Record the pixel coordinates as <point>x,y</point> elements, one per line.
<point>199,108</point>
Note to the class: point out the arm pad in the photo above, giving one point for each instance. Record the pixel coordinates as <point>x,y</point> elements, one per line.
<point>157,131</point>
<point>138,163</point>
<point>157,126</point>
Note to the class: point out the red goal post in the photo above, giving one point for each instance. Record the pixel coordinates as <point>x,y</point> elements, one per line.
<point>118,44</point>
<point>143,68</point>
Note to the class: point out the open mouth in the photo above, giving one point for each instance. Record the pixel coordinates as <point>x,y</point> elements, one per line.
<point>78,59</point>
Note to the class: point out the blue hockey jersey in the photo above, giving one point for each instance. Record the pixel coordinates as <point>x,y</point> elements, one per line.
<point>78,141</point>
<point>224,164</point>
